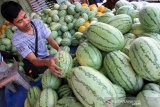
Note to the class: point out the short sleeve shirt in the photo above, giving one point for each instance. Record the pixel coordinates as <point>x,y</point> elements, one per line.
<point>25,43</point>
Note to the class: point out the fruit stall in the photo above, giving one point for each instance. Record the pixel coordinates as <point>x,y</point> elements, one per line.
<point>110,57</point>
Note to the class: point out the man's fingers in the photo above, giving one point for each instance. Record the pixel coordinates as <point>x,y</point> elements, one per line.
<point>56,59</point>
<point>57,68</point>
<point>55,72</point>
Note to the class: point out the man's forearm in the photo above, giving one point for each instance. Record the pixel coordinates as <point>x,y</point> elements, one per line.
<point>54,45</point>
<point>40,62</point>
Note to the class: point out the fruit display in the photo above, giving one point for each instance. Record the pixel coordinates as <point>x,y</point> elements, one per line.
<point>116,63</point>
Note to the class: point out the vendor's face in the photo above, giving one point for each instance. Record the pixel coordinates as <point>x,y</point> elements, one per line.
<point>22,21</point>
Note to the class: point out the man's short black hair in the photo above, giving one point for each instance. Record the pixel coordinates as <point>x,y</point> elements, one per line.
<point>10,10</point>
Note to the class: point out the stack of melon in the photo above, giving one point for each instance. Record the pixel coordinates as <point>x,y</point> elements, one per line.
<point>5,40</point>
<point>119,56</point>
<point>68,21</point>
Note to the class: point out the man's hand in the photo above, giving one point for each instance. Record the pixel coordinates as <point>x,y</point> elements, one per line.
<point>53,67</point>
<point>59,50</point>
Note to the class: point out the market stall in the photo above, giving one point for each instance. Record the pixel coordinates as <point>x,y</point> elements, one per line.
<point>110,55</point>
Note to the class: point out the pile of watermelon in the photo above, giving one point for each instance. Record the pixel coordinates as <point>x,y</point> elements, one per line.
<point>116,65</point>
<point>67,22</point>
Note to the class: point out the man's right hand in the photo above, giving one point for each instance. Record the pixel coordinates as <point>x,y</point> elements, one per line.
<point>53,67</point>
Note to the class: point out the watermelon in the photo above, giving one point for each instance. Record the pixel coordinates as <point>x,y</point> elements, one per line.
<point>127,9</point>
<point>145,58</point>
<point>48,98</point>
<point>105,17</point>
<point>104,36</point>
<point>152,86</point>
<point>68,102</point>
<point>91,87</point>
<point>137,29</point>
<point>50,81</point>
<point>155,36</point>
<point>148,98</point>
<point>121,3</point>
<point>65,63</point>
<point>120,95</point>
<point>123,22</point>
<point>120,71</point>
<point>32,95</point>
<point>149,17</point>
<point>88,55</point>
<point>64,91</point>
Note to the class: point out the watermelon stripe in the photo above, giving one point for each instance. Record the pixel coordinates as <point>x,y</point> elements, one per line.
<point>145,21</point>
<point>130,86</point>
<point>134,51</point>
<point>148,57</point>
<point>97,80</point>
<point>118,19</point>
<point>149,16</point>
<point>97,43</point>
<point>109,32</point>
<point>90,56</point>
<point>143,61</point>
<point>98,35</point>
<point>76,91</point>
<point>109,71</point>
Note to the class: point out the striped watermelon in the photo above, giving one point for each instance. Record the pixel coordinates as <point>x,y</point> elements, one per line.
<point>145,58</point>
<point>68,18</point>
<point>88,55</point>
<point>120,72</point>
<point>50,81</point>
<point>104,36</point>
<point>33,94</point>
<point>152,86</point>
<point>121,3</point>
<point>78,7</point>
<point>105,17</point>
<point>121,95</point>
<point>48,98</point>
<point>149,17</point>
<point>148,98</point>
<point>155,36</point>
<point>71,10</point>
<point>91,88</point>
<point>79,22</point>
<point>68,102</point>
<point>123,22</point>
<point>137,29</point>
<point>129,10</point>
<point>64,91</point>
<point>65,63</point>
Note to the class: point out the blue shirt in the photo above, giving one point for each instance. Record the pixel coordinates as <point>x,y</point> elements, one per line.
<point>25,43</point>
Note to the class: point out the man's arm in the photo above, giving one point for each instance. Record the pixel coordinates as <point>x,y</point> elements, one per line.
<point>36,61</point>
<point>53,43</point>
<point>49,62</point>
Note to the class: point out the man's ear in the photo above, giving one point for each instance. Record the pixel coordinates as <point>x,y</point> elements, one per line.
<point>11,24</point>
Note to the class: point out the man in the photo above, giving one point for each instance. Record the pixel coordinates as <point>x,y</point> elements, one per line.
<point>24,38</point>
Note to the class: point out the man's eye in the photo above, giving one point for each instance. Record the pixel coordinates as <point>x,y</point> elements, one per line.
<point>19,21</point>
<point>25,16</point>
